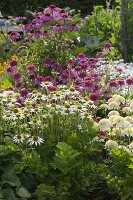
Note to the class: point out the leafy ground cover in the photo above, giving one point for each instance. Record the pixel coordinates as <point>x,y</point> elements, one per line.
<point>66,120</point>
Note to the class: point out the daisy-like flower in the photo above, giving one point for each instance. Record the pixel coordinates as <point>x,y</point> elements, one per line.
<point>35,140</point>
<point>18,138</point>
<point>46,84</point>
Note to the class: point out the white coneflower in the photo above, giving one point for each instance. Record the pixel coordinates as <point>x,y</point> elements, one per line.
<point>119,121</point>
<point>114,105</point>
<point>104,106</point>
<point>113,112</point>
<point>35,140</point>
<point>8,116</point>
<point>128,132</point>
<point>130,146</point>
<point>104,124</point>
<point>127,110</point>
<point>120,99</point>
<point>129,119</point>
<point>46,84</point>
<point>18,138</point>
<point>111,144</point>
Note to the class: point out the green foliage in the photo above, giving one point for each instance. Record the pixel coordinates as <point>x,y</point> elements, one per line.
<point>102,25</point>
<point>120,174</point>
<point>10,7</point>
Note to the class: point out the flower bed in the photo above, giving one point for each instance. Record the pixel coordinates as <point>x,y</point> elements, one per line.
<point>66,119</point>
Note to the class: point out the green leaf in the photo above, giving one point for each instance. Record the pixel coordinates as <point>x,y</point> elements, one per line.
<point>23,192</point>
<point>91,40</point>
<point>4,150</point>
<point>11,178</point>
<point>8,194</point>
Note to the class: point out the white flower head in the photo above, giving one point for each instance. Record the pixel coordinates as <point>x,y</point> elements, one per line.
<point>113,112</point>
<point>35,140</point>
<point>111,144</point>
<point>104,124</point>
<point>18,138</point>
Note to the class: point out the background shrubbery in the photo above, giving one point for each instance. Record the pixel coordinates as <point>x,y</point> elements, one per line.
<point>18,7</point>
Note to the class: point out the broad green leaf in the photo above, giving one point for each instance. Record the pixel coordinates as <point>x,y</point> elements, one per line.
<point>23,192</point>
<point>91,40</point>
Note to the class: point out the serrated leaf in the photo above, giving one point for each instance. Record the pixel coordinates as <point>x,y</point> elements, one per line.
<point>23,192</point>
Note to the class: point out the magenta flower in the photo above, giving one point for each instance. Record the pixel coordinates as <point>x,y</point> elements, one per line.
<point>17,76</point>
<point>77,68</point>
<point>64,76</point>
<point>19,85</point>
<point>14,36</point>
<point>73,27</point>
<point>48,62</point>
<point>78,81</point>
<point>39,79</point>
<point>107,46</point>
<point>64,17</point>
<point>119,70</point>
<point>92,60</point>
<point>52,88</point>
<point>82,74</point>
<point>13,63</point>
<point>129,81</point>
<point>94,97</point>
<point>48,78</point>
<point>32,69</point>
<point>10,70</point>
<point>88,85</point>
<point>58,27</point>
<point>80,56</point>
<point>121,82</point>
<point>113,84</point>
<point>23,92</point>
<point>101,55</point>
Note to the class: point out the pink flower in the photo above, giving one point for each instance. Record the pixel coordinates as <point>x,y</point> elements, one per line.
<point>23,92</point>
<point>113,84</point>
<point>10,70</point>
<point>107,46</point>
<point>94,97</point>
<point>80,56</point>
<point>32,69</point>
<point>88,85</point>
<point>121,82</point>
<point>77,68</point>
<point>101,54</point>
<point>52,88</point>
<point>129,81</point>
<point>17,76</point>
<point>13,63</point>
<point>73,27</point>
<point>14,36</point>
